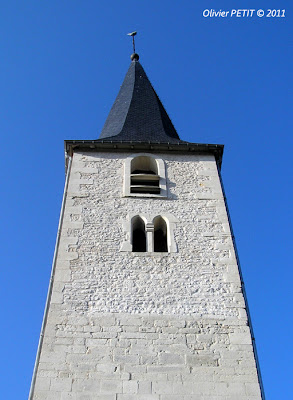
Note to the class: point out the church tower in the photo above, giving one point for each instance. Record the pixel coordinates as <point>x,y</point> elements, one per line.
<point>146,299</point>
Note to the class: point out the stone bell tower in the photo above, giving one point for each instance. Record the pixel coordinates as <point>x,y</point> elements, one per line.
<point>146,299</point>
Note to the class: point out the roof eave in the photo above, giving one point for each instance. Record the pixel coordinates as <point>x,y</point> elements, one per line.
<point>160,147</point>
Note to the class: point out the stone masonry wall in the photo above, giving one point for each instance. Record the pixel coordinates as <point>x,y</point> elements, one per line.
<point>125,326</point>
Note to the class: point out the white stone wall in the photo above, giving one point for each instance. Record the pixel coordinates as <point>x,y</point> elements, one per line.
<point>146,326</point>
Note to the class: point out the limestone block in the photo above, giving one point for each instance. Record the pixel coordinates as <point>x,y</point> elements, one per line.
<point>230,389</point>
<point>62,275</point>
<point>111,386</point>
<point>42,384</point>
<point>170,358</point>
<point>68,396</point>
<point>66,255</point>
<point>240,338</point>
<point>252,389</point>
<point>144,387</point>
<point>42,373</point>
<point>162,387</point>
<point>45,395</point>
<point>130,387</point>
<point>181,388</point>
<point>62,264</point>
<point>159,369</point>
<point>205,360</point>
<point>86,385</point>
<point>137,397</point>
<point>95,396</point>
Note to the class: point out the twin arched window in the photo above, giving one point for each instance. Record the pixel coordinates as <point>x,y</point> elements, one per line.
<point>149,237</point>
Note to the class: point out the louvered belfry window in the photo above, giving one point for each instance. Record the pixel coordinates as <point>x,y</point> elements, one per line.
<point>144,176</point>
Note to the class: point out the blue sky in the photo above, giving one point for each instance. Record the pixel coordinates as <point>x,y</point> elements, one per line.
<point>221,80</point>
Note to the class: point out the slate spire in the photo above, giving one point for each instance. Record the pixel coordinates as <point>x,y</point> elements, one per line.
<point>137,114</point>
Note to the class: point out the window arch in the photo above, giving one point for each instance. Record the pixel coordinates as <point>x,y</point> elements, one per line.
<point>144,176</point>
<point>138,235</point>
<point>160,235</point>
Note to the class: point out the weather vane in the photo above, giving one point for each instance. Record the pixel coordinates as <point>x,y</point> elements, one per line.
<point>133,43</point>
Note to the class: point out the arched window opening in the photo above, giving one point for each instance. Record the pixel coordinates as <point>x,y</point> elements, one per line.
<point>138,235</point>
<point>160,235</point>
<point>144,175</point>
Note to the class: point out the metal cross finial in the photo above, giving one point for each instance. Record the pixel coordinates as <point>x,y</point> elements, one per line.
<point>132,34</point>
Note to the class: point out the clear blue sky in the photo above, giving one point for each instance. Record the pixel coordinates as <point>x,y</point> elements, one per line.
<point>221,80</point>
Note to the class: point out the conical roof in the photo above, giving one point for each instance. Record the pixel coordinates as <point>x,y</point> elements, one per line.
<point>138,120</point>
<point>137,114</point>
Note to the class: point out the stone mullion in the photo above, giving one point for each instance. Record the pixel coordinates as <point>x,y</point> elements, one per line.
<point>150,237</point>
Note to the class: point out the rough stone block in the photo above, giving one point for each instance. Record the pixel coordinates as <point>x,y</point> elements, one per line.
<point>169,358</point>
<point>252,389</point>
<point>111,386</point>
<point>240,338</point>
<point>162,387</point>
<point>230,389</point>
<point>45,395</point>
<point>137,397</point>
<point>144,387</point>
<point>130,387</point>
<point>61,384</point>
<point>42,384</point>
